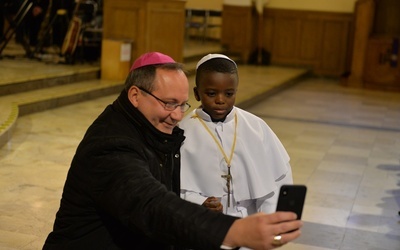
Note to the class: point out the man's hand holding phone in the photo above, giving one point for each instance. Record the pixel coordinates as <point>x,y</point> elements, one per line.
<point>291,198</point>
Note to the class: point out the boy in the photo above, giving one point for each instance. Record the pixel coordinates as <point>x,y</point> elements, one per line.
<point>231,160</point>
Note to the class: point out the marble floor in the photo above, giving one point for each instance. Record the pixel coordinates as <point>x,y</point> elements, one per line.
<point>344,145</point>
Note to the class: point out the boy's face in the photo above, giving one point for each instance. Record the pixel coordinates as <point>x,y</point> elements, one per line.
<point>217,93</point>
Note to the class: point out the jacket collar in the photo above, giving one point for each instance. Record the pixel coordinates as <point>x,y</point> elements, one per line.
<point>164,142</point>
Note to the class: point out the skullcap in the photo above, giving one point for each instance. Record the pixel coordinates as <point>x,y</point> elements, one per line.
<point>212,56</point>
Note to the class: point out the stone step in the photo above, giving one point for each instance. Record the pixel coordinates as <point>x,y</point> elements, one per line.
<point>15,105</point>
<point>28,86</point>
<point>32,86</point>
<point>53,97</point>
<point>8,120</point>
<point>52,81</point>
<point>57,85</point>
<point>26,74</point>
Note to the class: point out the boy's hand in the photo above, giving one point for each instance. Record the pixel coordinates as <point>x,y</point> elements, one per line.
<point>213,204</point>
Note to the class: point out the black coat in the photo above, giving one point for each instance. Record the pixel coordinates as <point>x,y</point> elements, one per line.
<point>122,190</point>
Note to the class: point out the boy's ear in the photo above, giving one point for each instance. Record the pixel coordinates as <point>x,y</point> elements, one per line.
<point>196,94</point>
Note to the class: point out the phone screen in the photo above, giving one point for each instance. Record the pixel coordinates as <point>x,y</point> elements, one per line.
<point>291,198</point>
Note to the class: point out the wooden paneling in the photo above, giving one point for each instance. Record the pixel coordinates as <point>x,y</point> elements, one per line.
<point>386,21</point>
<point>285,40</point>
<point>319,40</point>
<point>121,18</point>
<point>152,25</point>
<point>376,25</point>
<point>382,70</point>
<point>363,23</point>
<point>295,41</point>
<point>309,45</point>
<point>335,44</point>
<point>238,33</point>
<point>166,22</point>
<point>115,64</point>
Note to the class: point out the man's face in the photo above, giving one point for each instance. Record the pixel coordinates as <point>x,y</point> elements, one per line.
<point>217,93</point>
<point>170,86</point>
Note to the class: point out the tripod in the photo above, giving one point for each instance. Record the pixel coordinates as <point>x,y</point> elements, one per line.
<point>60,16</point>
<point>14,24</point>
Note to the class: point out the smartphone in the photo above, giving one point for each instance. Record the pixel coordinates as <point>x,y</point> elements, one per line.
<point>291,198</point>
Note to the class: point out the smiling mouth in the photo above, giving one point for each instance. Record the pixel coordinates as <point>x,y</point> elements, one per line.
<point>170,125</point>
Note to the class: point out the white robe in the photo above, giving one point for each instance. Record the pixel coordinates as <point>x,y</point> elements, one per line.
<point>260,163</point>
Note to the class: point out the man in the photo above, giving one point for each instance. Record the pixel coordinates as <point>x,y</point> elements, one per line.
<point>122,190</point>
<point>35,20</point>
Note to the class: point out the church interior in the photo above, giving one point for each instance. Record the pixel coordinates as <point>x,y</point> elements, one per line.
<point>324,76</point>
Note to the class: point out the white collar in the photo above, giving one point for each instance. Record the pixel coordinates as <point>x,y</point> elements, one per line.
<point>206,117</point>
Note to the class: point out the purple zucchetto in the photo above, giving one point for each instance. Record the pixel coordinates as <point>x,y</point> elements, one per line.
<point>151,58</point>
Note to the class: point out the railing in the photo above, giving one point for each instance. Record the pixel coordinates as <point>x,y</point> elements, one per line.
<point>201,20</point>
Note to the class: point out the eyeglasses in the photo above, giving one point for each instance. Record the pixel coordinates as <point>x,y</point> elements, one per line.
<point>170,106</point>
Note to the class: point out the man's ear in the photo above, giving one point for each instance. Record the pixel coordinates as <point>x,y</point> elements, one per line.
<point>133,96</point>
<point>196,94</point>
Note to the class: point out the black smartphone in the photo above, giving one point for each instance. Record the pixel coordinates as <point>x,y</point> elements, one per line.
<point>291,198</point>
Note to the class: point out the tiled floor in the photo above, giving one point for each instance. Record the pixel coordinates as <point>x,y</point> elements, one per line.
<point>344,145</point>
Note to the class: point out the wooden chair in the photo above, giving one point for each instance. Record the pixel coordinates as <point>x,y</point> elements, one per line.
<point>200,19</point>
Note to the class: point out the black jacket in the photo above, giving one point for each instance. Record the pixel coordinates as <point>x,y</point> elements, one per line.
<point>122,190</point>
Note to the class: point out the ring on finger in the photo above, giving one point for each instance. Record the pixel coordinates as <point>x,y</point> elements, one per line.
<point>277,240</point>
